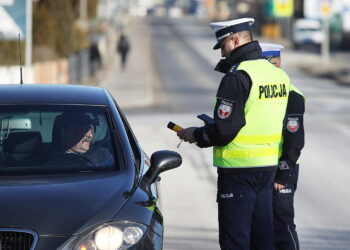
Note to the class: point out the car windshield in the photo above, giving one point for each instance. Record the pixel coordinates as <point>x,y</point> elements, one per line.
<point>44,139</point>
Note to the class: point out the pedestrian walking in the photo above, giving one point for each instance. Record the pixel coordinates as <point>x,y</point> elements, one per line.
<point>286,179</point>
<point>123,48</point>
<point>246,133</point>
<point>95,59</point>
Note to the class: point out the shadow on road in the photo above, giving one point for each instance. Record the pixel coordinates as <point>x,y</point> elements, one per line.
<point>191,238</point>
<point>324,239</point>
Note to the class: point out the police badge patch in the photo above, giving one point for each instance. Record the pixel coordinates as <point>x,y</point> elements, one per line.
<point>283,165</point>
<point>224,109</point>
<point>292,124</point>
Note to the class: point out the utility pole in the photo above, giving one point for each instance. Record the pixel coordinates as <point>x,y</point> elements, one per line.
<point>325,43</point>
<point>326,12</point>
<point>29,32</point>
<point>83,16</point>
<point>83,10</point>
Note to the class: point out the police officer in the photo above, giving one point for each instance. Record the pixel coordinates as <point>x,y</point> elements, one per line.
<point>286,179</point>
<point>246,134</point>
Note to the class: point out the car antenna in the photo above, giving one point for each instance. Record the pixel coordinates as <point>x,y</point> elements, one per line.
<point>20,57</point>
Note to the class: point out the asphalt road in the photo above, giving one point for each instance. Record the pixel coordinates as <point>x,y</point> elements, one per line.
<point>187,87</point>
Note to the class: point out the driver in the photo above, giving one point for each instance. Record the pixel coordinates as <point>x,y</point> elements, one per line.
<point>72,138</point>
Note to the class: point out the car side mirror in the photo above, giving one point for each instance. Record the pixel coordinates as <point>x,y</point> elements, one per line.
<point>162,161</point>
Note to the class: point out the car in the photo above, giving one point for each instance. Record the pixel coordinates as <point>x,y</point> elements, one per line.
<point>72,173</point>
<point>308,32</point>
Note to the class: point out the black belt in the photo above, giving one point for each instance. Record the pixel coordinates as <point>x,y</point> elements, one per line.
<point>247,170</point>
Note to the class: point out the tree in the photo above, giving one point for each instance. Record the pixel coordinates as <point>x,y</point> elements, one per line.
<point>55,27</point>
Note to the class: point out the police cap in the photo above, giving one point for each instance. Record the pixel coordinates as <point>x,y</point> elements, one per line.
<point>271,49</point>
<point>224,29</point>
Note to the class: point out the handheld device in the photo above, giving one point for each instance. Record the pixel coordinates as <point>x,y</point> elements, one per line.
<point>205,118</point>
<point>174,127</point>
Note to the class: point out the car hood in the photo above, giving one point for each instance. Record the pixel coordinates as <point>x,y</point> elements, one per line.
<point>62,205</point>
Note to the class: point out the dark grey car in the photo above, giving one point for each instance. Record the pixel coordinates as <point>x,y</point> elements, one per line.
<point>54,196</point>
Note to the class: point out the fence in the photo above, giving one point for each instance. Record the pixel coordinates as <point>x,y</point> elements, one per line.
<point>73,70</point>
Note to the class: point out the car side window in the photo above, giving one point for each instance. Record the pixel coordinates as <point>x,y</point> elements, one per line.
<point>44,139</point>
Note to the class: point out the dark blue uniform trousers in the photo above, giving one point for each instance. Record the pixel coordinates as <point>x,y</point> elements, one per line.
<point>245,211</point>
<point>286,237</point>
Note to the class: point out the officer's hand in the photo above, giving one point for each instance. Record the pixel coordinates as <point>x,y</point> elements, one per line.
<point>278,187</point>
<point>282,176</point>
<point>187,134</point>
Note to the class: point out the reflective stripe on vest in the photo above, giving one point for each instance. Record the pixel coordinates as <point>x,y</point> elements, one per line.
<point>258,142</point>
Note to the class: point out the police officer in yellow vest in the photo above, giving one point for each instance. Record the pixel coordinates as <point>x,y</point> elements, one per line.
<point>286,179</point>
<point>246,134</point>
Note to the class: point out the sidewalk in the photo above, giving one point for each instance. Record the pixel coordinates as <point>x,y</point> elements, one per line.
<point>133,86</point>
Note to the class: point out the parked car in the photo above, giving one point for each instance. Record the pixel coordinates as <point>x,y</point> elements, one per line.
<point>72,173</point>
<point>308,32</point>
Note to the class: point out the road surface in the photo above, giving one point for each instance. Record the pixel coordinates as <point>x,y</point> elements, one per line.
<point>187,87</point>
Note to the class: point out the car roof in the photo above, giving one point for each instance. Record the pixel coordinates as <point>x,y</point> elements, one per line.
<point>52,94</point>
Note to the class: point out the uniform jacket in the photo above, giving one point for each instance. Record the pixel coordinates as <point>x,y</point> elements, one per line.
<point>293,139</point>
<point>233,88</point>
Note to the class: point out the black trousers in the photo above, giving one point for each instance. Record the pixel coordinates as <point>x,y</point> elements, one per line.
<point>286,237</point>
<point>245,211</point>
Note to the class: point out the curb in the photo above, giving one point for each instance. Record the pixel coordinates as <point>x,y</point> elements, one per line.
<point>336,72</point>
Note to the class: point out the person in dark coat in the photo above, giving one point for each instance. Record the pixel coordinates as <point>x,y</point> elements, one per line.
<point>123,48</point>
<point>72,137</point>
<point>245,134</point>
<point>286,178</point>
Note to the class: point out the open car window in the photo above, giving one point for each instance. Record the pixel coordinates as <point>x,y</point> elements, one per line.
<point>44,139</point>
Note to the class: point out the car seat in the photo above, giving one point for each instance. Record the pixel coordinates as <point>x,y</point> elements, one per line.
<point>22,149</point>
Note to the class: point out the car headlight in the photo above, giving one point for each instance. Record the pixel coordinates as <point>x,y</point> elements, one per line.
<point>118,235</point>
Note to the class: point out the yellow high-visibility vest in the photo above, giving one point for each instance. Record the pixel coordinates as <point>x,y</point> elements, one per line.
<point>257,143</point>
